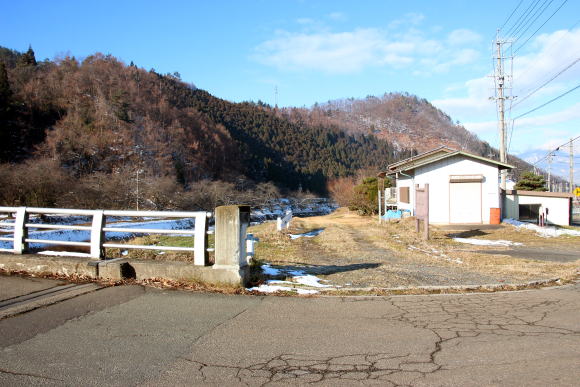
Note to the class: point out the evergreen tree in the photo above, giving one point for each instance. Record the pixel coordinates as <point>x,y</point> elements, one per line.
<point>28,58</point>
<point>5,125</point>
<point>365,197</point>
<point>529,181</point>
<point>5,92</point>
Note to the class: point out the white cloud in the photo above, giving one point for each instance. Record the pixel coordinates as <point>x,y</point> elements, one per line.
<point>551,53</point>
<point>410,19</point>
<point>337,16</point>
<point>565,115</point>
<point>462,37</point>
<point>343,52</point>
<point>305,20</point>
<point>475,104</point>
<point>353,51</point>
<point>481,127</point>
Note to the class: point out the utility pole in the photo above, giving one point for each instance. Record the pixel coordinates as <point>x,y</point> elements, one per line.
<point>276,97</point>
<point>571,165</point>
<point>500,85</point>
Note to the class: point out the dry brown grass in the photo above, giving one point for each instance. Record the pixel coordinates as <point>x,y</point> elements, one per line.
<point>393,254</point>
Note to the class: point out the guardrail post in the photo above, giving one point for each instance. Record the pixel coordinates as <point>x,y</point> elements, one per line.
<point>200,255</point>
<point>98,235</point>
<point>284,222</point>
<point>251,240</point>
<point>20,231</point>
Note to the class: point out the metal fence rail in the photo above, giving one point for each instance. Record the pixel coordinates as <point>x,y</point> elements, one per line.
<point>97,241</point>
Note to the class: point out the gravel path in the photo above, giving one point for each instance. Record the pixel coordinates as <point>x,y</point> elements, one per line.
<point>356,252</point>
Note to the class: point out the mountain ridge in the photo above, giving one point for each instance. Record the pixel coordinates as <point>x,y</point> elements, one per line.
<point>100,117</point>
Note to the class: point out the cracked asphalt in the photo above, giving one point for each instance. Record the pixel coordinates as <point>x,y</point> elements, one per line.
<point>159,337</point>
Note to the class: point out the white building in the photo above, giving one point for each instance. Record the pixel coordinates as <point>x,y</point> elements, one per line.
<point>555,207</point>
<point>463,188</point>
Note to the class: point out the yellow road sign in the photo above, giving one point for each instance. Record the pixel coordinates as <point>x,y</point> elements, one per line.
<point>577,191</point>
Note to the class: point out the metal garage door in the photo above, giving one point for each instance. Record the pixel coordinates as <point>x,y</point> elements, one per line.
<point>465,202</point>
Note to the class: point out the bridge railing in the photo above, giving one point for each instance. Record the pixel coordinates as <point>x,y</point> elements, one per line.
<point>16,221</point>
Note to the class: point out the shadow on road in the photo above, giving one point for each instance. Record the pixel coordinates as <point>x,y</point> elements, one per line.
<point>467,234</point>
<point>327,269</point>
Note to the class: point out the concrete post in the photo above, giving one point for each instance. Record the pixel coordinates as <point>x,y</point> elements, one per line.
<point>97,235</point>
<point>231,223</point>
<point>200,256</point>
<point>251,240</point>
<point>20,231</point>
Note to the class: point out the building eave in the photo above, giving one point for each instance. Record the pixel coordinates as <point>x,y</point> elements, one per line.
<point>413,164</point>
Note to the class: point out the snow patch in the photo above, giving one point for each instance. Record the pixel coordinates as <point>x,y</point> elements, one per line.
<point>298,277</point>
<point>484,242</point>
<point>85,235</point>
<point>274,289</point>
<point>299,207</point>
<point>310,280</point>
<point>546,232</point>
<point>269,270</point>
<point>310,234</point>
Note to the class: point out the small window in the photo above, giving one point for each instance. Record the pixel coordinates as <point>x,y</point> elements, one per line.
<point>404,194</point>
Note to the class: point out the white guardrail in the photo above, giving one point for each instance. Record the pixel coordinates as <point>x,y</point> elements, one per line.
<point>98,229</point>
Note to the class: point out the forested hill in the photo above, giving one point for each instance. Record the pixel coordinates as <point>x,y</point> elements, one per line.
<point>282,150</point>
<point>99,120</point>
<point>405,120</point>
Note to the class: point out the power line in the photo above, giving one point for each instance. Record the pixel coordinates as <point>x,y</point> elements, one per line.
<point>511,14</point>
<point>543,24</point>
<point>547,103</point>
<point>517,24</point>
<point>539,13</point>
<point>557,148</point>
<point>548,81</point>
<point>547,49</point>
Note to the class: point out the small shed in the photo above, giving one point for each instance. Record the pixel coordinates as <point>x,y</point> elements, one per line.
<point>528,206</point>
<point>463,187</point>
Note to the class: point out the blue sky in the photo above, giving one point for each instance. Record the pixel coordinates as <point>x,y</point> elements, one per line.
<point>314,51</point>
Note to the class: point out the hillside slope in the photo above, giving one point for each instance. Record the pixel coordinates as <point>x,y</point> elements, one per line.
<point>101,117</point>
<point>407,121</point>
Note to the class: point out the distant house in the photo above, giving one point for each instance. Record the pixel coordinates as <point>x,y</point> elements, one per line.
<point>463,188</point>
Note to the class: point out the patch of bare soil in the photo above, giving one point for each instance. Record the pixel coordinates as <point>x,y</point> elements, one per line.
<point>355,251</point>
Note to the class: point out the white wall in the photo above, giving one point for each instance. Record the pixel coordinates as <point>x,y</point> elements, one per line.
<point>437,176</point>
<point>558,208</point>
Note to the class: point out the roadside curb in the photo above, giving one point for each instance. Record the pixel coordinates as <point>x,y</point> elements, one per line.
<point>91,270</point>
<point>119,269</point>
<point>454,289</point>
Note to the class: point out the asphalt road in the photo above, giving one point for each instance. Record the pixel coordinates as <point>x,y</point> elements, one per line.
<point>540,253</point>
<point>135,336</point>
